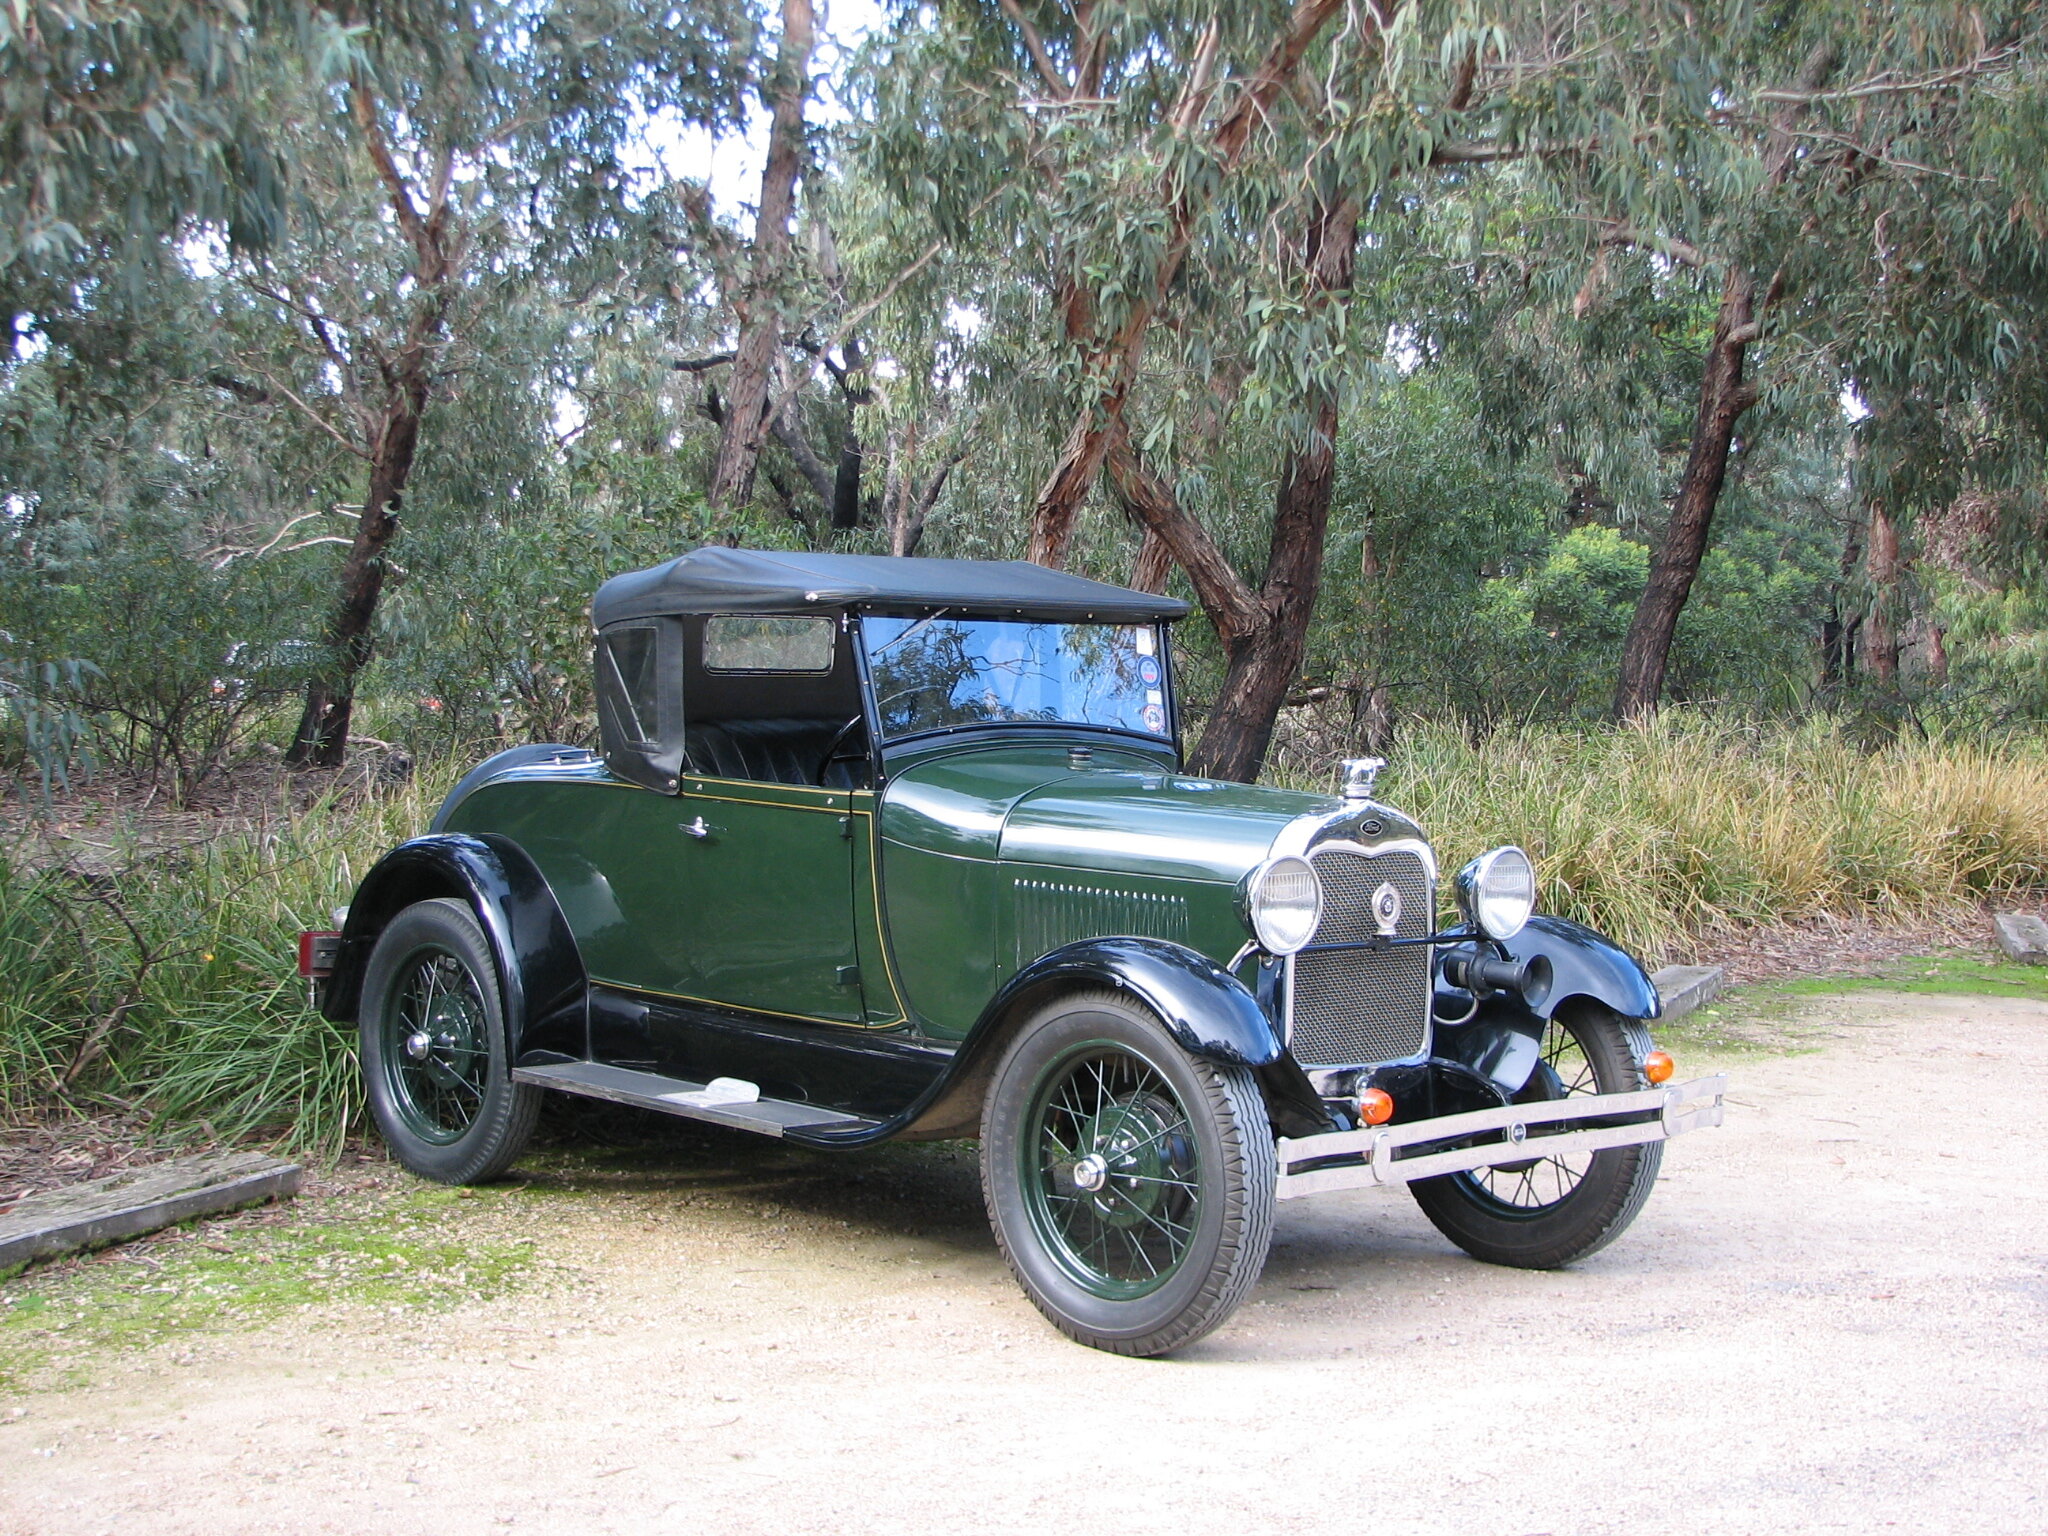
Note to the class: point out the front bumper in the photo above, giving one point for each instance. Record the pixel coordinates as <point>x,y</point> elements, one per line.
<point>1516,1133</point>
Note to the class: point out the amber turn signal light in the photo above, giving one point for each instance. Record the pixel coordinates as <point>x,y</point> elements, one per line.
<point>1375,1106</point>
<point>1658,1066</point>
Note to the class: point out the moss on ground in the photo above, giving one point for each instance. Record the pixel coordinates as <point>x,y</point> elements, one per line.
<point>405,1249</point>
<point>1774,1018</point>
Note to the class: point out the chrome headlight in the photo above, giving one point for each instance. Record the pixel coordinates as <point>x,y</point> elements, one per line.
<point>1283,902</point>
<point>1497,892</point>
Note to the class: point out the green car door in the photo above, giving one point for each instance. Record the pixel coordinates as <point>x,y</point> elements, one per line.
<point>760,913</point>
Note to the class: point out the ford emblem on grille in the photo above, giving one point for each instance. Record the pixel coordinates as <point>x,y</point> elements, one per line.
<point>1386,910</point>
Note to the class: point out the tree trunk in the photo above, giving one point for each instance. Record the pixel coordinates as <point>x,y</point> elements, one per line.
<point>759,305</point>
<point>1154,563</point>
<point>1265,661</point>
<point>1882,629</point>
<point>1723,398</point>
<point>1839,630</point>
<point>321,740</point>
<point>846,482</point>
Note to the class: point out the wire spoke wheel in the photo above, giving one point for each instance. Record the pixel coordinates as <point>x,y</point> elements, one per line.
<point>437,1047</point>
<point>1115,1181</point>
<point>1563,1071</point>
<point>1543,1210</point>
<point>1130,1184</point>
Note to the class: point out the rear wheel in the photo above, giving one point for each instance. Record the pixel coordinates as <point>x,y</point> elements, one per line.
<point>436,1060</point>
<point>1130,1185</point>
<point>1544,1212</point>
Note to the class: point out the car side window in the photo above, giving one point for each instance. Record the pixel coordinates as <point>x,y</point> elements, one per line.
<point>632,650</point>
<point>746,643</point>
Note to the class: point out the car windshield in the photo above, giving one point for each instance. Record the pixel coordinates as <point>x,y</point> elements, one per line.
<point>937,671</point>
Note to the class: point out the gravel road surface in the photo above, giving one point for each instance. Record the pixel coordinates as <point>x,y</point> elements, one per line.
<point>1833,1316</point>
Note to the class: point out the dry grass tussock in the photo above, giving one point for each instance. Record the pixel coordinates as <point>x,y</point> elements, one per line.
<point>1688,826</point>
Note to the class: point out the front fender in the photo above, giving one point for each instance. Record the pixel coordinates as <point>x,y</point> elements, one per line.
<point>1500,1040</point>
<point>1584,963</point>
<point>1208,1011</point>
<point>540,970</point>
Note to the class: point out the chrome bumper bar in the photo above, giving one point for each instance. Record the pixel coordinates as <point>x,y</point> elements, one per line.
<point>1518,1133</point>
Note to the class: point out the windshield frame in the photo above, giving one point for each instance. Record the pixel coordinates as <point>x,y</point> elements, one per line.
<point>1163,650</point>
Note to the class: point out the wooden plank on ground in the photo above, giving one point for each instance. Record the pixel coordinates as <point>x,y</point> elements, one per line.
<point>138,1200</point>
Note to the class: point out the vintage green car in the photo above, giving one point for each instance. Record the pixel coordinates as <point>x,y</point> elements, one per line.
<point>882,847</point>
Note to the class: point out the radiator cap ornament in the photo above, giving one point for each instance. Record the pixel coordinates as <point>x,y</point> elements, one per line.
<point>1359,773</point>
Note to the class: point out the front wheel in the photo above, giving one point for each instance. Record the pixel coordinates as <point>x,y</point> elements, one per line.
<point>1543,1212</point>
<point>1130,1185</point>
<point>436,1059</point>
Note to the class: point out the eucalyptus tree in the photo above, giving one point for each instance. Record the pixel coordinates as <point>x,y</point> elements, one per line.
<point>446,153</point>
<point>119,120</point>
<point>1765,149</point>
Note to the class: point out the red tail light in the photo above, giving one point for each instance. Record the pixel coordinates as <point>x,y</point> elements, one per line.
<point>317,949</point>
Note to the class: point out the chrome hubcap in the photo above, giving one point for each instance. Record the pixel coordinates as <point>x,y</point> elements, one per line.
<point>417,1044</point>
<point>1091,1173</point>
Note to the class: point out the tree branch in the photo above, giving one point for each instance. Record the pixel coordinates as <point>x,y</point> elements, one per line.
<point>317,419</point>
<point>1035,46</point>
<point>1230,604</point>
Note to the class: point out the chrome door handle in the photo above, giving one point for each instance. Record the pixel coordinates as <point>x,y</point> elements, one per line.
<point>699,829</point>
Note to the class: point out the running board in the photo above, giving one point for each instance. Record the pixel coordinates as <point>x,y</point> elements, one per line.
<point>673,1095</point>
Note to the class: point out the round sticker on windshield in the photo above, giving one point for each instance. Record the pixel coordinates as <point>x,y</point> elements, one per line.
<point>1148,671</point>
<point>1155,719</point>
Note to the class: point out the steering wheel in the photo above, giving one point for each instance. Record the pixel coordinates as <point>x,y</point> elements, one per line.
<point>833,752</point>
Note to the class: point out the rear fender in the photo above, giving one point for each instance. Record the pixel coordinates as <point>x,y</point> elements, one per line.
<point>1208,1011</point>
<point>540,970</point>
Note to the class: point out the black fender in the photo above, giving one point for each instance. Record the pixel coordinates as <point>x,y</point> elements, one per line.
<point>1208,1011</point>
<point>540,969</point>
<point>1499,1038</point>
<point>503,762</point>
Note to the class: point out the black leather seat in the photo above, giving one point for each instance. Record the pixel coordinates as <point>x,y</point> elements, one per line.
<point>776,751</point>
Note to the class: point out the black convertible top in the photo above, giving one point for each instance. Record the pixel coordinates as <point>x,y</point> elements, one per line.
<point>719,580</point>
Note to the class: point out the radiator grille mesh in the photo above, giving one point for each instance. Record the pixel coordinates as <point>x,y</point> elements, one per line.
<point>1359,1007</point>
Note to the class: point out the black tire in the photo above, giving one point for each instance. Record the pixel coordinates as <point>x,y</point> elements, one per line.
<point>1546,1212</point>
<point>1173,1237</point>
<point>435,1051</point>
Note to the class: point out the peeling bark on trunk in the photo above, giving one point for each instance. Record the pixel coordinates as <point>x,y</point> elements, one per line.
<point>753,365</point>
<point>1152,565</point>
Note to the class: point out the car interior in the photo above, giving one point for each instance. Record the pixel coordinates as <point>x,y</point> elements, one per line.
<point>772,699</point>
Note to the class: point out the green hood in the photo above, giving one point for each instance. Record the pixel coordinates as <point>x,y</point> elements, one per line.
<point>1159,824</point>
<point>1123,815</point>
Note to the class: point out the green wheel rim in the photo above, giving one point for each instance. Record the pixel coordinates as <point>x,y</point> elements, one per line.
<point>1534,1185</point>
<point>436,1046</point>
<point>1111,1171</point>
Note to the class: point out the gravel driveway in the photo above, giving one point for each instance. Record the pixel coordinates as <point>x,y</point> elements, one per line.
<point>1833,1316</point>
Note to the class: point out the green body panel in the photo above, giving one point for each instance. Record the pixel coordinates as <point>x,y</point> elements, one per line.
<point>995,854</point>
<point>758,914</point>
<point>909,908</point>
